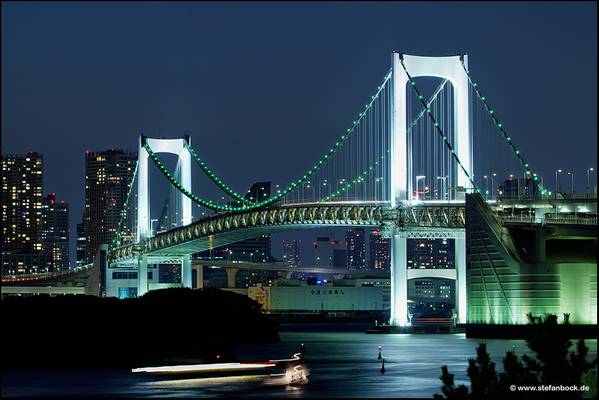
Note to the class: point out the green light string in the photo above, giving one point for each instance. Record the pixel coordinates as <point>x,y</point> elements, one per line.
<point>439,131</point>
<point>116,240</point>
<point>499,125</point>
<point>179,186</point>
<point>360,178</point>
<point>210,174</point>
<point>308,174</point>
<point>251,205</point>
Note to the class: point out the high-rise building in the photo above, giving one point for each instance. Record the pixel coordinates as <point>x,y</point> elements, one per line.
<point>22,191</point>
<point>517,188</point>
<point>323,252</point>
<point>380,251</point>
<point>108,176</point>
<point>81,243</point>
<point>356,248</point>
<point>259,191</point>
<point>430,253</point>
<point>291,252</point>
<point>55,233</point>
<point>339,254</point>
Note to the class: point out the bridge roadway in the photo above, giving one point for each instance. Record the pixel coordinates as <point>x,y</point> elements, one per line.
<point>425,219</point>
<point>223,229</point>
<point>232,268</point>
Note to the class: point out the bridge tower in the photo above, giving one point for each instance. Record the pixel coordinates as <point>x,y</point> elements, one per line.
<point>144,231</point>
<point>449,68</point>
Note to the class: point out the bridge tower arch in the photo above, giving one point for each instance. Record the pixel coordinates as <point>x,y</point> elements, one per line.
<point>450,68</point>
<point>144,229</point>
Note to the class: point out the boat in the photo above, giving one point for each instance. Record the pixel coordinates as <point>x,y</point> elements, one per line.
<point>289,370</point>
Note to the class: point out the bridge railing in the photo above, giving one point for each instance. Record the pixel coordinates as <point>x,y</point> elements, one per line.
<point>549,219</point>
<point>44,275</point>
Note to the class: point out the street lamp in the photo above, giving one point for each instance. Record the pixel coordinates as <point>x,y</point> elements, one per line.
<point>152,226</point>
<point>589,170</point>
<point>418,177</point>
<point>572,185</point>
<point>557,172</point>
<point>493,175</point>
<point>486,186</point>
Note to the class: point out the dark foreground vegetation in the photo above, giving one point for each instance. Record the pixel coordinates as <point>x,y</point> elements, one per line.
<point>552,363</point>
<point>162,327</point>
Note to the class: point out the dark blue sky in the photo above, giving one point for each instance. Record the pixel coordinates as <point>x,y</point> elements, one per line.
<point>273,84</point>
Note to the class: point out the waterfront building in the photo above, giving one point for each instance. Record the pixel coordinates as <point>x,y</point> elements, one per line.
<point>22,191</point>
<point>380,251</point>
<point>431,290</point>
<point>317,298</point>
<point>55,233</point>
<point>355,239</point>
<point>108,177</point>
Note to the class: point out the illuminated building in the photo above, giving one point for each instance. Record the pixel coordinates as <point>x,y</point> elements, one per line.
<point>55,233</point>
<point>380,255</point>
<point>108,176</point>
<point>348,295</point>
<point>356,248</point>
<point>80,244</point>
<point>291,252</point>
<point>430,253</point>
<point>324,251</point>
<point>516,188</point>
<point>22,188</point>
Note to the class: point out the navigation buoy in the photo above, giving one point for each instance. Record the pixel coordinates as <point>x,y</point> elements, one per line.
<point>302,350</point>
<point>380,356</point>
<point>383,367</point>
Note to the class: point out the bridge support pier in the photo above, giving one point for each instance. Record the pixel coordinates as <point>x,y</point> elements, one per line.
<point>399,280</point>
<point>460,265</point>
<point>186,271</point>
<point>231,276</point>
<point>399,275</point>
<point>199,276</point>
<point>142,275</point>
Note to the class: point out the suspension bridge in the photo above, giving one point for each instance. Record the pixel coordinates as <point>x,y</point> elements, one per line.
<point>406,164</point>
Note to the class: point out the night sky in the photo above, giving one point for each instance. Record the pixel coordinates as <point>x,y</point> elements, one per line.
<point>265,88</point>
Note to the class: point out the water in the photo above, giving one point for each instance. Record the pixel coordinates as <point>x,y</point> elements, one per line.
<point>341,364</point>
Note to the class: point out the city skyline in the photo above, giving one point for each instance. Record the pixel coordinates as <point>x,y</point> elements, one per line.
<point>93,103</point>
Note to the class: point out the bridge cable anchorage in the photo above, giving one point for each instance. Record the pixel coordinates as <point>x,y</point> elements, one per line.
<point>278,196</point>
<point>346,187</point>
<point>436,125</point>
<point>116,240</point>
<point>499,126</point>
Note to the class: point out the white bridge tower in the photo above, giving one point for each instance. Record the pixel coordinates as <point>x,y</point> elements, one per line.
<point>449,68</point>
<point>144,229</point>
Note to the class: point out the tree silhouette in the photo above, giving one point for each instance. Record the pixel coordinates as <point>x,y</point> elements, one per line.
<point>552,363</point>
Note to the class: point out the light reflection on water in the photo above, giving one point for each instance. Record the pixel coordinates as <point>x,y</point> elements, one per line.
<point>341,364</point>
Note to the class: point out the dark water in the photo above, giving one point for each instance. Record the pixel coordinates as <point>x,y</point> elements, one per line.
<point>341,364</point>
